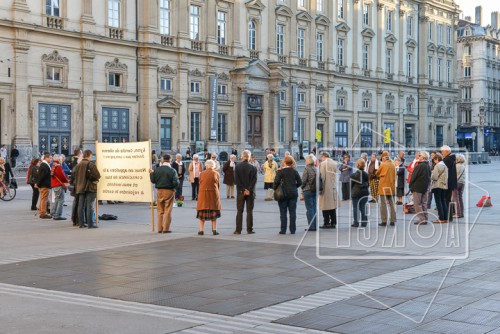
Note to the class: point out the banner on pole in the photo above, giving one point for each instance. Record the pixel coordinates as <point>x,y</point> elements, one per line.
<point>295,112</point>
<point>124,169</point>
<point>213,107</point>
<point>387,136</point>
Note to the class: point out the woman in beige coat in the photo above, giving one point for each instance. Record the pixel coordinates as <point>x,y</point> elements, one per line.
<point>328,195</point>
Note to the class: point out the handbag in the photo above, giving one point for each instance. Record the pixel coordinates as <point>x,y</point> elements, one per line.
<point>63,185</point>
<point>269,194</point>
<point>279,193</point>
<point>13,183</point>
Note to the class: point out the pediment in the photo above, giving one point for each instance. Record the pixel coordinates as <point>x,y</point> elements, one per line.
<point>367,32</point>
<point>55,57</point>
<point>167,70</point>
<point>322,20</point>
<point>451,52</point>
<point>441,49</point>
<point>115,65</point>
<point>411,43</point>
<point>168,102</point>
<point>431,47</point>
<point>196,73</point>
<point>256,68</point>
<point>342,27</point>
<point>391,39</point>
<point>321,112</point>
<point>255,4</point>
<point>304,16</point>
<point>284,11</point>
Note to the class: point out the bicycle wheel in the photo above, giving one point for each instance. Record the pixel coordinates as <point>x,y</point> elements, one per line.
<point>8,194</point>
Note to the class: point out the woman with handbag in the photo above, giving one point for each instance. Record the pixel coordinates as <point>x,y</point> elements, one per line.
<point>228,170</point>
<point>58,182</point>
<point>309,191</point>
<point>270,169</point>
<point>359,194</point>
<point>32,179</point>
<point>288,179</point>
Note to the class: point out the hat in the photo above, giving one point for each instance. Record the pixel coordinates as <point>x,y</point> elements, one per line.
<point>384,154</point>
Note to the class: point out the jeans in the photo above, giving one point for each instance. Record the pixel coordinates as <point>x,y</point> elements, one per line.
<point>420,204</point>
<point>439,198</point>
<point>86,202</point>
<point>178,190</point>
<point>460,199</point>
<point>310,202</point>
<point>194,187</point>
<point>241,199</point>
<point>34,198</point>
<point>57,206</point>
<point>290,205</point>
<point>346,191</point>
<point>359,204</point>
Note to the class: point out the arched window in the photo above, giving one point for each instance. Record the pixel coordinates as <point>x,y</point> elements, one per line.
<point>252,35</point>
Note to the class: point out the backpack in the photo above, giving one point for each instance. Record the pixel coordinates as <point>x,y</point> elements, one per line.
<point>33,175</point>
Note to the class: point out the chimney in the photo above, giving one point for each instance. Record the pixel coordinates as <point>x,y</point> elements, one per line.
<point>495,20</point>
<point>479,15</point>
<point>468,19</point>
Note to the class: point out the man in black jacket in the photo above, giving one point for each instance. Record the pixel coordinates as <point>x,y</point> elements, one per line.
<point>44,180</point>
<point>180,168</point>
<point>86,177</point>
<point>451,193</point>
<point>245,178</point>
<point>166,181</point>
<point>419,185</point>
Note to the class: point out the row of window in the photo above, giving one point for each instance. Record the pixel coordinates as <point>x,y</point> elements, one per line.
<point>439,69</point>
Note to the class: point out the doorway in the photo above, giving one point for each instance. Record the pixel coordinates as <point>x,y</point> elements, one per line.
<point>254,129</point>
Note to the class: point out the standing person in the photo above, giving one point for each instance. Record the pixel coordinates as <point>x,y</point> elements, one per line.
<point>245,178</point>
<point>419,185</point>
<point>255,163</point>
<point>364,156</point>
<point>216,167</point>
<point>412,165</point>
<point>188,153</point>
<point>429,192</point>
<point>206,155</point>
<point>359,194</point>
<point>180,168</point>
<point>195,169</point>
<point>59,183</point>
<point>387,189</point>
<point>400,183</point>
<point>270,169</point>
<point>401,156</point>
<point>76,158</point>
<point>154,159</point>
<point>31,179</point>
<point>208,206</point>
<point>43,184</point>
<point>166,180</point>
<point>439,177</point>
<point>328,195</point>
<point>291,181</point>
<point>234,151</point>
<point>8,172</point>
<point>345,176</point>
<point>371,169</point>
<point>449,160</point>
<point>3,152</point>
<point>308,185</point>
<point>2,176</point>
<point>14,154</point>
<point>65,167</point>
<point>228,169</point>
<point>86,176</point>
<point>460,185</point>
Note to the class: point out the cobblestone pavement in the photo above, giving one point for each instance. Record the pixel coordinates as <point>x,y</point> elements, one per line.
<point>122,278</point>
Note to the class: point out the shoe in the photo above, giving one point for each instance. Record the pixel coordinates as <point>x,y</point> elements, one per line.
<point>399,203</point>
<point>200,233</point>
<point>236,232</point>
<point>227,197</point>
<point>119,202</point>
<point>393,224</point>
<point>334,226</point>
<point>93,226</point>
<point>60,218</point>
<point>251,232</point>
<point>111,202</point>
<point>281,232</point>
<point>436,221</point>
<point>355,225</point>
<point>420,223</point>
<point>326,226</point>
<point>34,209</point>
<point>442,222</point>
<point>382,224</point>
<point>363,225</point>
<point>75,224</point>
<point>167,231</point>
<point>214,232</point>
<point>160,231</point>
<point>46,216</point>
<point>232,197</point>
<point>310,229</point>
<point>83,226</point>
<point>372,201</point>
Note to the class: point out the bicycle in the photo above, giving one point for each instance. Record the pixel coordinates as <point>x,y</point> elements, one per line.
<point>6,192</point>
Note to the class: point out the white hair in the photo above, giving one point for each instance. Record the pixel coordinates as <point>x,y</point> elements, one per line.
<point>178,155</point>
<point>246,155</point>
<point>195,156</point>
<point>424,154</point>
<point>445,148</point>
<point>56,157</point>
<point>310,159</point>
<point>209,164</point>
<point>270,156</point>
<point>232,156</point>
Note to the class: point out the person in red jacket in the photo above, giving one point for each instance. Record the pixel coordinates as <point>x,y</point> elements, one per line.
<point>59,183</point>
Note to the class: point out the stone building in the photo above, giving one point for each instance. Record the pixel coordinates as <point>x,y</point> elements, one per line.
<point>479,83</point>
<point>252,73</point>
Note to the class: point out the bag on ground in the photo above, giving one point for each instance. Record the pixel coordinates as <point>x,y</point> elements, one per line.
<point>484,202</point>
<point>269,194</point>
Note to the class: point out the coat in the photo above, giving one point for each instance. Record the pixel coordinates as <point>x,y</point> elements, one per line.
<point>44,178</point>
<point>291,181</point>
<point>386,173</point>
<point>460,173</point>
<point>450,162</point>
<point>439,176</point>
<point>208,195</point>
<point>345,176</point>
<point>270,171</point>
<point>328,199</point>
<point>421,178</point>
<point>359,184</point>
<point>228,173</point>
<point>400,171</point>
<point>191,174</point>
<point>85,177</point>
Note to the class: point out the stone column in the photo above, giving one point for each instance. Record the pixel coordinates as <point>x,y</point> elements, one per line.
<point>356,12</point>
<point>401,55</point>
<point>87,22</point>
<point>183,23</point>
<point>20,12</point>
<point>183,115</point>
<point>400,105</point>
<point>148,110</point>
<point>244,118</point>
<point>380,50</point>
<point>211,26</point>
<point>88,117</point>
<point>421,47</point>
<point>21,132</point>
<point>424,133</point>
<point>312,113</point>
<point>380,125</point>
<point>356,107</point>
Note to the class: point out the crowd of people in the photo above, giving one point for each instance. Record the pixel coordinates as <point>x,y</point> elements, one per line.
<point>377,180</point>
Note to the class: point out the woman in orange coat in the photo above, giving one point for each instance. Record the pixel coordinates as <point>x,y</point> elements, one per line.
<point>208,206</point>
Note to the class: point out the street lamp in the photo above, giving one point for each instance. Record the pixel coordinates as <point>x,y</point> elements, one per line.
<point>481,124</point>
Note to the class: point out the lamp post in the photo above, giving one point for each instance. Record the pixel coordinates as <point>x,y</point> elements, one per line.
<point>480,141</point>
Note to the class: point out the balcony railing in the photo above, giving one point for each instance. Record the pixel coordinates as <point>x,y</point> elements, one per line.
<point>254,54</point>
<point>116,33</point>
<point>223,50</point>
<point>167,40</point>
<point>283,59</point>
<point>196,45</point>
<point>321,65</point>
<point>367,73</point>
<point>302,62</point>
<point>390,76</point>
<point>342,69</point>
<point>54,22</point>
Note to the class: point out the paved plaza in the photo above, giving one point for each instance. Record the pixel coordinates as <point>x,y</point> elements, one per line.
<point>123,278</point>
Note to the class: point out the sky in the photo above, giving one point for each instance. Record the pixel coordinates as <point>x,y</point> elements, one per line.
<point>468,8</point>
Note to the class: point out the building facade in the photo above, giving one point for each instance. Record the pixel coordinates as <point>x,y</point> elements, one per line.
<point>251,73</point>
<point>479,83</point>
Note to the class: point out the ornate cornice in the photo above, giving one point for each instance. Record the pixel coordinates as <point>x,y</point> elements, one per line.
<point>116,65</point>
<point>166,70</point>
<point>224,76</point>
<point>54,57</point>
<point>196,73</point>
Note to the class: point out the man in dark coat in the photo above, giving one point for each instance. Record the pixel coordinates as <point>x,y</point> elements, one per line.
<point>180,168</point>
<point>14,154</point>
<point>86,177</point>
<point>44,182</point>
<point>419,185</point>
<point>166,180</point>
<point>245,178</point>
<point>449,160</point>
